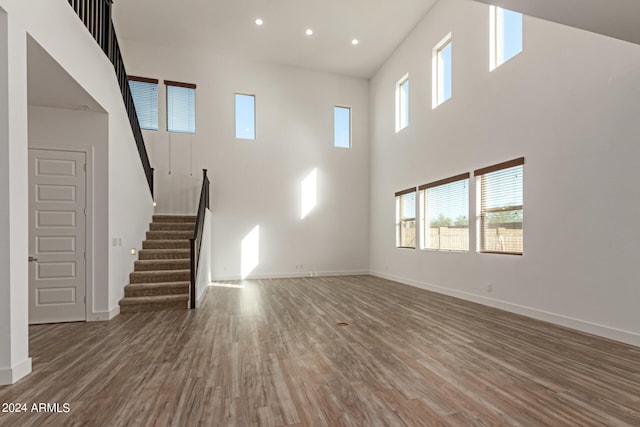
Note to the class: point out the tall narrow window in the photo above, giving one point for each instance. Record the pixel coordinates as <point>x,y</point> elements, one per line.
<point>402,103</point>
<point>442,71</point>
<point>145,100</point>
<point>245,116</point>
<point>445,214</point>
<point>181,107</point>
<point>505,35</point>
<point>406,218</point>
<point>500,207</point>
<point>342,127</point>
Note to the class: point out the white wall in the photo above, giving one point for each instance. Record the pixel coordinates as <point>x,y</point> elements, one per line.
<point>14,299</point>
<point>57,128</point>
<point>569,104</point>
<point>130,206</point>
<point>258,182</point>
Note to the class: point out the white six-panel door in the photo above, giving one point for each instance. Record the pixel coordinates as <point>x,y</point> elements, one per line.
<point>57,202</point>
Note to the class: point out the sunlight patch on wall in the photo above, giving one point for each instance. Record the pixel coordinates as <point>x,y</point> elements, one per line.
<point>308,193</point>
<point>250,252</point>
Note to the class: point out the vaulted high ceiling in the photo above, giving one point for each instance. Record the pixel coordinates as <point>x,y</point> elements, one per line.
<point>228,27</point>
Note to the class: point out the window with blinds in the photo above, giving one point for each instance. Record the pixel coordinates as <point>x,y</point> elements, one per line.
<point>500,207</point>
<point>181,107</point>
<point>145,100</point>
<point>445,214</point>
<point>406,218</point>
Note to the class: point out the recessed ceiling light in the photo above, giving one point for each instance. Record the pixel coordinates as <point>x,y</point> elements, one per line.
<point>309,31</point>
<point>259,21</point>
<point>354,42</point>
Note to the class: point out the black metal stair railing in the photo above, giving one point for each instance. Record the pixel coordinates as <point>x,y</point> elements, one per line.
<point>196,241</point>
<point>96,16</point>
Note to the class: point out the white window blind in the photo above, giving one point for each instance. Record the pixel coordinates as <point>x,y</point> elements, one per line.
<point>500,207</point>
<point>406,218</point>
<point>445,214</point>
<point>145,100</point>
<point>181,107</point>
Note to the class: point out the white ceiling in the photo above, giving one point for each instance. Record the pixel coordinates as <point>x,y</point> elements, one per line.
<point>228,27</point>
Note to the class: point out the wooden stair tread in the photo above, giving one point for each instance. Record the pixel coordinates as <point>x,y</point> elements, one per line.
<point>153,299</point>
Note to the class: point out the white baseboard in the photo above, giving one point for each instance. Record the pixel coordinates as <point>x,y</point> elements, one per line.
<point>100,316</point>
<point>14,374</point>
<point>291,275</point>
<point>604,331</point>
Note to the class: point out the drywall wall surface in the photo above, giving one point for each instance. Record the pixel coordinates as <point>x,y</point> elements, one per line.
<point>568,104</point>
<point>257,185</point>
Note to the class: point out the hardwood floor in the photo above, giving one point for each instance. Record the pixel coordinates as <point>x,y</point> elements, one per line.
<point>270,353</point>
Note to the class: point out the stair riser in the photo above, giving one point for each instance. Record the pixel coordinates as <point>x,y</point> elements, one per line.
<point>163,265</point>
<point>169,235</point>
<point>148,277</point>
<point>160,244</point>
<point>173,219</point>
<point>135,308</point>
<point>144,255</point>
<point>170,226</point>
<point>155,292</point>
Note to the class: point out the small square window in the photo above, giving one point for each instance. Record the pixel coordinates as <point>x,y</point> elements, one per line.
<point>245,116</point>
<point>442,71</point>
<point>181,107</point>
<point>505,36</point>
<point>500,207</point>
<point>342,127</point>
<point>406,218</point>
<point>145,99</point>
<point>402,103</point>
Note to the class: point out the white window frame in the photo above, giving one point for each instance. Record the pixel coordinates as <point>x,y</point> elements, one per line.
<point>402,104</point>
<point>496,38</point>
<point>424,214</point>
<point>344,107</point>
<point>235,99</point>
<point>183,86</point>
<point>400,220</point>
<point>152,108</point>
<point>482,211</point>
<point>437,70</point>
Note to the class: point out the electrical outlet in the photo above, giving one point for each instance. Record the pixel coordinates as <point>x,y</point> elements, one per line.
<point>489,287</point>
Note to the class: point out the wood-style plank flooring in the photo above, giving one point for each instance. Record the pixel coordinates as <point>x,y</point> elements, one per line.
<point>270,353</point>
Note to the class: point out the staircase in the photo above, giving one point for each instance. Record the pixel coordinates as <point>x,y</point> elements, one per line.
<point>162,274</point>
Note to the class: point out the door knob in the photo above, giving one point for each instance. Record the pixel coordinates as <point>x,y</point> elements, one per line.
<point>32,259</point>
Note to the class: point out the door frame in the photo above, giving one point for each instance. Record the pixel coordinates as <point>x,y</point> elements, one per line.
<point>88,232</point>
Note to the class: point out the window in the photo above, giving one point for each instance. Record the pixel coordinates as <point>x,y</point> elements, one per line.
<point>445,214</point>
<point>500,207</point>
<point>342,127</point>
<point>145,99</point>
<point>245,116</point>
<point>181,107</point>
<point>505,35</point>
<point>441,71</point>
<point>406,218</point>
<point>402,103</point>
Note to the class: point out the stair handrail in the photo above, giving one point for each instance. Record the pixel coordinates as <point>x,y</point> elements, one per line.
<point>96,16</point>
<point>196,241</point>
